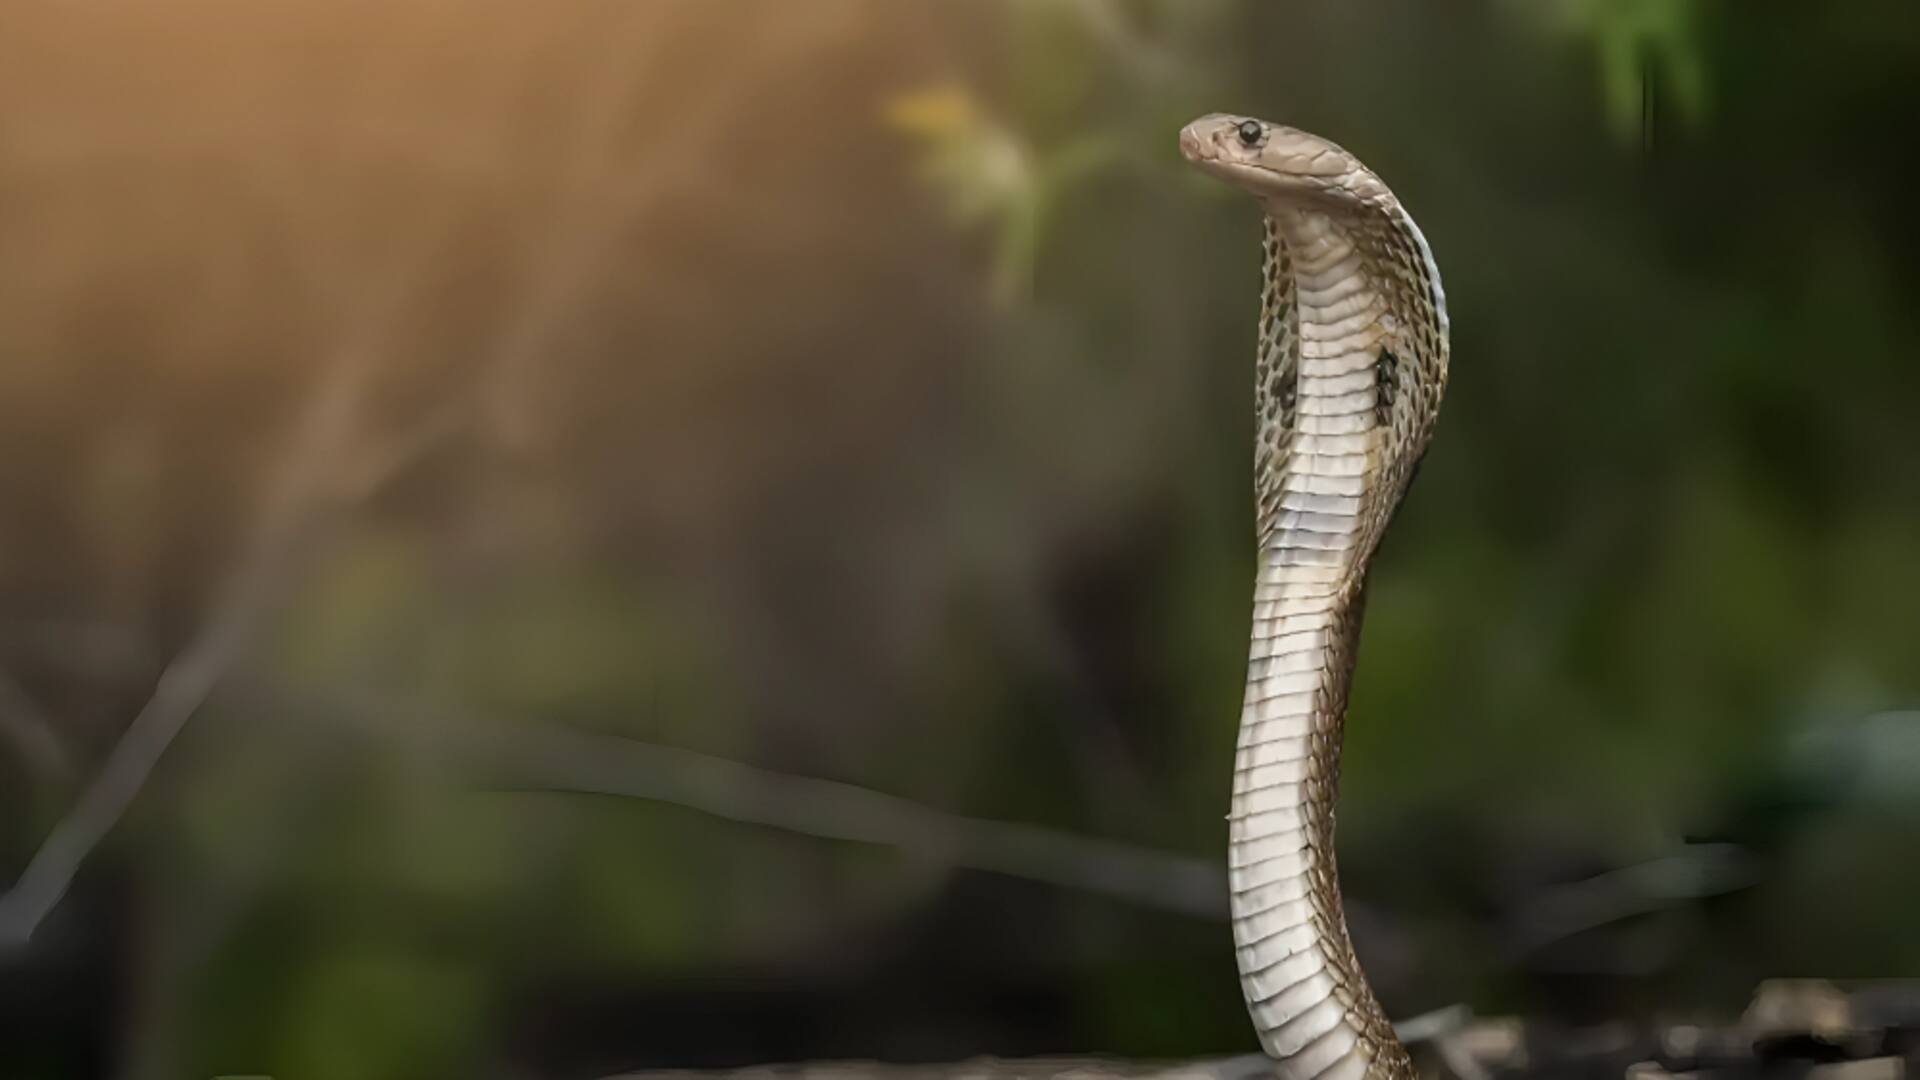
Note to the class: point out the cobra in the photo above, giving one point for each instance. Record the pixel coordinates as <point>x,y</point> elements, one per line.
<point>1349,372</point>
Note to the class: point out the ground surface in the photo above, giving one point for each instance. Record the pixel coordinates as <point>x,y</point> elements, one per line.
<point>1794,1028</point>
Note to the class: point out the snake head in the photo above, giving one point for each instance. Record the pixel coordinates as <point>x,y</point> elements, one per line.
<point>1277,163</point>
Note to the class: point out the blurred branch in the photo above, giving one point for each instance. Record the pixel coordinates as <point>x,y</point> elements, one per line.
<point>597,194</point>
<point>1693,872</point>
<point>562,760</point>
<point>1436,1024</point>
<point>185,683</point>
<point>296,488</point>
<point>371,470</point>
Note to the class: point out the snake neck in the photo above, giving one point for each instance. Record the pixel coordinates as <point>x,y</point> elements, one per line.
<point>1348,380</point>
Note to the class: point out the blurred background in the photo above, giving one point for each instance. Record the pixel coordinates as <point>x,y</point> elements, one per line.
<point>600,535</point>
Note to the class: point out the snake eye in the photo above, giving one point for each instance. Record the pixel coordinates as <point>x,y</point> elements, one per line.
<point>1250,131</point>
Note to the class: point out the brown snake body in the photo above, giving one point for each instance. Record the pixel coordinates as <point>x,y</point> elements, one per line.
<point>1351,364</point>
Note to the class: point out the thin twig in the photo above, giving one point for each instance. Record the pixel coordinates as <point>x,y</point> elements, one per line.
<point>185,683</point>
<point>564,760</point>
<point>1690,873</point>
<point>375,468</point>
<point>324,430</point>
<point>1434,1024</point>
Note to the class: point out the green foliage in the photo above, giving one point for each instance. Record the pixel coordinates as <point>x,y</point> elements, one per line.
<point>1644,49</point>
<point>383,1012</point>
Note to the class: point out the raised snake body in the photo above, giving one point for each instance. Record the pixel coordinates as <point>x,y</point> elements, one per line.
<point>1351,364</point>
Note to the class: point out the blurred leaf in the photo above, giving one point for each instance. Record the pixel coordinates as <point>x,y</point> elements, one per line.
<point>1639,41</point>
<point>978,164</point>
<point>983,171</point>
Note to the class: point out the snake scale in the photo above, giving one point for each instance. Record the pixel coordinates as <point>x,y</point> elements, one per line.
<point>1351,363</point>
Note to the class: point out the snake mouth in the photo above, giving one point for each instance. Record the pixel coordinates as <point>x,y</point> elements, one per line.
<point>1191,144</point>
<point>1255,178</point>
<point>1258,180</point>
<point>1199,142</point>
